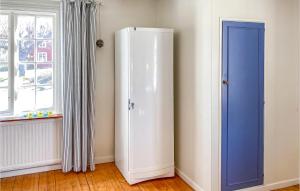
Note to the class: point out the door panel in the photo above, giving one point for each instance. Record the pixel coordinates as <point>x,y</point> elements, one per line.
<point>151,90</point>
<point>242,105</point>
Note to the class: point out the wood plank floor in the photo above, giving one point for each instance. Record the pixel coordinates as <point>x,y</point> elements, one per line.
<point>292,188</point>
<point>106,177</point>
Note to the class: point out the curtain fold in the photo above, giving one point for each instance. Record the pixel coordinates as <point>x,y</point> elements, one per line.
<point>79,38</point>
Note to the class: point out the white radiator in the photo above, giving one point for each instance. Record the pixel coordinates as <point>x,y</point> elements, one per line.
<point>29,144</point>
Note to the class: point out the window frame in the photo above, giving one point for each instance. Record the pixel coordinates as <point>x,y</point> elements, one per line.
<point>9,65</point>
<point>13,57</point>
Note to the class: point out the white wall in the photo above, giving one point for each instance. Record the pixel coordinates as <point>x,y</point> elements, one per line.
<point>191,21</point>
<point>115,14</point>
<point>197,77</point>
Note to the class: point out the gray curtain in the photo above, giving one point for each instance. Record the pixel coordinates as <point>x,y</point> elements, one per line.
<point>78,45</point>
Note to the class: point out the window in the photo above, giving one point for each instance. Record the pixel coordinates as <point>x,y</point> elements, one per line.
<point>42,45</point>
<point>42,56</point>
<point>27,60</point>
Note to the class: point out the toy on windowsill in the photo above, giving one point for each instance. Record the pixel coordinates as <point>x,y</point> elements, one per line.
<point>29,115</point>
<point>34,115</point>
<point>39,114</point>
<point>50,113</point>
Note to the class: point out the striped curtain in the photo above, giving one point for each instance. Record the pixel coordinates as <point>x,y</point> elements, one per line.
<point>78,45</point>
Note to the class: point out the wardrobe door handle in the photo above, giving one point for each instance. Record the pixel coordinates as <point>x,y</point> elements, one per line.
<point>131,105</point>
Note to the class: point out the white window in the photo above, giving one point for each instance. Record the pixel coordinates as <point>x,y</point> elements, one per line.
<point>42,56</point>
<point>27,62</point>
<point>42,45</point>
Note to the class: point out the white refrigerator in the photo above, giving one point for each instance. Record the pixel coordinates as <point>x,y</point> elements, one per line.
<point>144,108</point>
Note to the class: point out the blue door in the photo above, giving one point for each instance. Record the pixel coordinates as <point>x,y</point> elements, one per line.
<point>242,105</point>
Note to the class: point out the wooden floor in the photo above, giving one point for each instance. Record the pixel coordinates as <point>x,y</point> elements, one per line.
<point>292,188</point>
<point>106,177</point>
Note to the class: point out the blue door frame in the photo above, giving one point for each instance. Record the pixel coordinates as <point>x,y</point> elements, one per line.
<point>242,105</point>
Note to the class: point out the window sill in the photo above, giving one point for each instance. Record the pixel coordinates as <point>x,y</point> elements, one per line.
<point>14,119</point>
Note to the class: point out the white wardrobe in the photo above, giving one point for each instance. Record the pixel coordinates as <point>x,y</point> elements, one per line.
<point>144,117</point>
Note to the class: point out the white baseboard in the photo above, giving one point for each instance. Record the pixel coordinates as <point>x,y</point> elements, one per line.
<point>267,187</point>
<point>188,180</point>
<point>273,186</point>
<point>104,159</point>
<point>43,167</point>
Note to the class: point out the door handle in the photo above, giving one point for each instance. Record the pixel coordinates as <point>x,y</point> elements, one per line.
<point>225,82</point>
<point>130,105</point>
